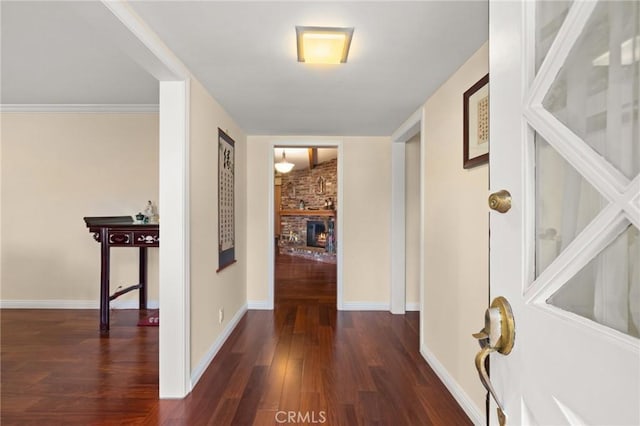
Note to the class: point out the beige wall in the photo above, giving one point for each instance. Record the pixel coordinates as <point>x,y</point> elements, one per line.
<point>365,208</point>
<point>367,220</point>
<point>456,233</point>
<point>56,169</point>
<point>209,290</point>
<point>412,222</point>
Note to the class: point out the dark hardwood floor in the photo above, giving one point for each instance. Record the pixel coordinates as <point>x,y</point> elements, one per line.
<point>303,363</point>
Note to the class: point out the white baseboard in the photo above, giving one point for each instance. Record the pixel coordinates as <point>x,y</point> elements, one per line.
<point>365,306</point>
<point>473,411</point>
<point>133,304</point>
<point>412,307</point>
<point>346,306</point>
<point>260,305</point>
<point>197,372</point>
<point>72,304</point>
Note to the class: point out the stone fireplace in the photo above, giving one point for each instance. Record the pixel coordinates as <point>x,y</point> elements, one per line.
<point>305,234</point>
<point>306,221</point>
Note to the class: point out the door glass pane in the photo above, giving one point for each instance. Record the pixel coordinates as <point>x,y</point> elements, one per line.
<point>607,289</point>
<point>549,17</point>
<point>596,91</point>
<point>565,203</point>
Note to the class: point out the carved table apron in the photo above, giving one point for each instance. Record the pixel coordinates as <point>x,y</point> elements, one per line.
<point>121,231</point>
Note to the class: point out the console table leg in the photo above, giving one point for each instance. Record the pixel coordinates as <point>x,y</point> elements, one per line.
<point>104,280</point>
<point>142,293</point>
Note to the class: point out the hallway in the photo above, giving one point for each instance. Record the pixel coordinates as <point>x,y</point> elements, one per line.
<point>304,363</point>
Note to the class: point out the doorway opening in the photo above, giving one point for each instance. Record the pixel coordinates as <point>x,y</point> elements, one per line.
<point>305,209</point>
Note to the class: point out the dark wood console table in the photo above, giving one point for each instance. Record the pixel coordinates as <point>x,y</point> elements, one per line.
<point>121,231</point>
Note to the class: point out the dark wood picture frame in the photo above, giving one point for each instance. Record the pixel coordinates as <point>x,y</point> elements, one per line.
<point>226,201</point>
<point>475,122</point>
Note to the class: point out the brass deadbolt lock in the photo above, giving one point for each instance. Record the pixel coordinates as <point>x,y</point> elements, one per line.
<point>500,201</point>
<point>498,335</point>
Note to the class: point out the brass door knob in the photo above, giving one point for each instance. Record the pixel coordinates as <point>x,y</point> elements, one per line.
<point>500,201</point>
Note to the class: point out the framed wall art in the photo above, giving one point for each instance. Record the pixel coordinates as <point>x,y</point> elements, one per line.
<point>475,147</point>
<point>226,203</point>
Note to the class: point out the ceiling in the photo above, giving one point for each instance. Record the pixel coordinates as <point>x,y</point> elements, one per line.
<point>244,53</point>
<point>51,54</point>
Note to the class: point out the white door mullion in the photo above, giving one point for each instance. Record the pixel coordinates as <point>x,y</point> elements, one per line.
<point>630,202</point>
<point>596,170</point>
<point>604,229</point>
<point>569,32</point>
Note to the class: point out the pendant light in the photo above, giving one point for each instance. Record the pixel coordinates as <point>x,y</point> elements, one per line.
<point>284,166</point>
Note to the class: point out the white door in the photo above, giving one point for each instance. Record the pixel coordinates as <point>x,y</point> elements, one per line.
<point>565,142</point>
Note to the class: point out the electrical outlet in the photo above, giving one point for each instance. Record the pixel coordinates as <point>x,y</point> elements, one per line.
<point>221,315</point>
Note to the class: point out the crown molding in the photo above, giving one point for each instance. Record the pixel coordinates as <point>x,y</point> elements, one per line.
<point>88,108</point>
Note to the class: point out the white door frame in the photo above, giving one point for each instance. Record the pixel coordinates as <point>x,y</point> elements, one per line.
<point>398,284</point>
<point>270,182</point>
<point>143,45</point>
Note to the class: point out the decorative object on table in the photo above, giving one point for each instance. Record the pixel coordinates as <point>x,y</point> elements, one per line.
<point>150,215</point>
<point>226,202</point>
<point>139,218</point>
<point>330,204</point>
<point>475,147</point>
<point>301,204</point>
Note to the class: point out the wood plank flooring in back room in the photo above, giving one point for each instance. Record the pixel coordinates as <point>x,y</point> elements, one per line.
<point>303,363</point>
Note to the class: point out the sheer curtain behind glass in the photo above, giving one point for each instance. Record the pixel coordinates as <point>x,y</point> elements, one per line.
<point>596,96</point>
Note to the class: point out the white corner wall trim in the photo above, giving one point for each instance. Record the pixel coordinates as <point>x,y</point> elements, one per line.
<point>202,366</point>
<point>72,304</point>
<point>397,248</point>
<point>474,413</point>
<point>80,108</point>
<point>364,306</point>
<point>156,57</point>
<point>409,128</point>
<point>412,307</point>
<point>174,255</point>
<point>260,305</point>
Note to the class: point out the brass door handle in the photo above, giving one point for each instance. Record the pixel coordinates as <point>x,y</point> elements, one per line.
<point>500,201</point>
<point>498,335</point>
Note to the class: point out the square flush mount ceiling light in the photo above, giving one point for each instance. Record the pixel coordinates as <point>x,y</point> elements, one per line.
<point>323,45</point>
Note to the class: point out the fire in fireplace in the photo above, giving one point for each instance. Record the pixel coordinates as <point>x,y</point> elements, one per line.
<point>316,234</point>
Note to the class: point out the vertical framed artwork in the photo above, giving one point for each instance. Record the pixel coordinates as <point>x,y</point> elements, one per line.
<point>475,147</point>
<point>226,204</point>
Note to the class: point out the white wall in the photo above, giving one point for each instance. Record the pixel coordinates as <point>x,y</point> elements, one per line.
<point>209,290</point>
<point>56,169</point>
<point>456,236</point>
<point>366,214</point>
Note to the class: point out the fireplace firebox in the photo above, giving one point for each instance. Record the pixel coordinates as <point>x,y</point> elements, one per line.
<point>316,234</point>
